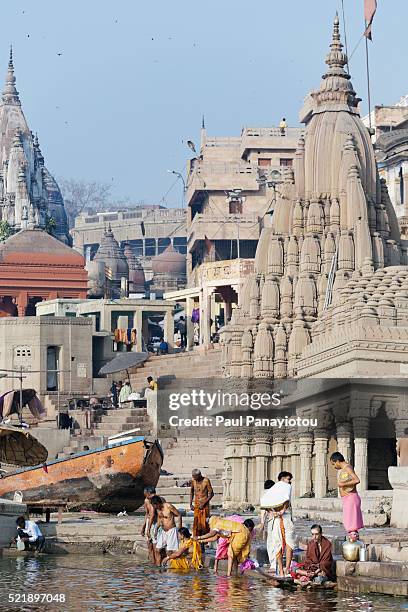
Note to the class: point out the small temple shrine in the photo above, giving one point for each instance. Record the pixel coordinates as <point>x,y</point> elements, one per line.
<point>35,266</point>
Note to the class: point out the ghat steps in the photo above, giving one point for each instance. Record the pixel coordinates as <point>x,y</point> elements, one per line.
<point>191,364</point>
<point>180,458</point>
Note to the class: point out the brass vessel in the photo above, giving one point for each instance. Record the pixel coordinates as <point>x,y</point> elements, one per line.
<point>351,550</point>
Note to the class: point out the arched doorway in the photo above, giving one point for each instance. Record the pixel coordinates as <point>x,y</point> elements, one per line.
<point>381,451</point>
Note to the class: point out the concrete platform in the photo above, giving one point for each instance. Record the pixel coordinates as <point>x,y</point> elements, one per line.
<point>376,507</point>
<point>373,577</point>
<point>9,511</point>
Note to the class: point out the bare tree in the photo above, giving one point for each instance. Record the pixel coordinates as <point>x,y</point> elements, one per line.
<point>80,195</point>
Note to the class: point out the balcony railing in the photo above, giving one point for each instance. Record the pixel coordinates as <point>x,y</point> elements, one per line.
<point>265,132</point>
<point>217,169</point>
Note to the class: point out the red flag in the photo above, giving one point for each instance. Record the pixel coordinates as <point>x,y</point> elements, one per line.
<point>44,467</point>
<point>208,245</point>
<point>370,6</point>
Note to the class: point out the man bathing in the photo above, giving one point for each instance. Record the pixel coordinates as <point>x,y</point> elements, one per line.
<point>201,494</point>
<point>167,537</point>
<point>347,481</point>
<point>150,523</point>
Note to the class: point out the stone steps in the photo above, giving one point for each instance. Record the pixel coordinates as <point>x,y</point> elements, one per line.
<point>365,584</point>
<point>191,364</point>
<point>330,509</point>
<point>180,496</point>
<point>116,420</point>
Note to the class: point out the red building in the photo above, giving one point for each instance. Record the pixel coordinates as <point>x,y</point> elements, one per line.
<point>34,267</point>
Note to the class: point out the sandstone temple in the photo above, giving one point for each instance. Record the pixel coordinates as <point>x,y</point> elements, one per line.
<point>329,299</point>
<point>29,195</point>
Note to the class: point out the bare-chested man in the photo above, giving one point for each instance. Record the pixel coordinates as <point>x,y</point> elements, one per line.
<point>167,536</point>
<point>347,481</point>
<point>150,523</point>
<point>201,494</point>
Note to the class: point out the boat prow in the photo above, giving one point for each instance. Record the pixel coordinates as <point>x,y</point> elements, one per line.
<point>109,479</point>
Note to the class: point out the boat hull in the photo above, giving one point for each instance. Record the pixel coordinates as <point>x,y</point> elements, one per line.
<point>107,479</point>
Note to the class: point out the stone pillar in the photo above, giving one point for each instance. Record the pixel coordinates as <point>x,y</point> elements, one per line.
<point>405,180</point>
<point>278,450</point>
<point>205,317</point>
<point>169,329</point>
<point>227,311</point>
<point>305,451</point>
<point>262,452</point>
<point>138,326</point>
<point>232,468</point>
<point>189,325</point>
<point>245,456</point>
<point>398,478</point>
<point>22,301</point>
<point>343,431</point>
<point>321,443</point>
<point>360,429</point>
<point>401,427</point>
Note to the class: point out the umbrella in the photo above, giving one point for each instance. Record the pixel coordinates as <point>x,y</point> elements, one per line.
<point>124,361</point>
<point>18,447</point>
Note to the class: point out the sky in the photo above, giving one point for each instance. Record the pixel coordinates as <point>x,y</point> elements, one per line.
<point>115,89</point>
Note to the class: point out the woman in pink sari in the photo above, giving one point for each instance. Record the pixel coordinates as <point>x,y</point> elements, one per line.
<point>223,543</point>
<point>347,482</point>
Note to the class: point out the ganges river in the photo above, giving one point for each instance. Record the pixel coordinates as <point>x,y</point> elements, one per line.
<point>120,583</point>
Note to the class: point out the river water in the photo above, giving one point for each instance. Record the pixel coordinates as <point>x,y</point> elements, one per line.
<point>119,583</point>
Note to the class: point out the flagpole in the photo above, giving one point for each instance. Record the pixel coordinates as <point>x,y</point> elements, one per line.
<point>368,80</point>
<point>345,35</point>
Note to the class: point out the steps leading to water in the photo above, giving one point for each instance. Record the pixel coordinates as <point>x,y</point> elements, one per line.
<point>180,458</point>
<point>191,364</point>
<point>330,509</point>
<point>373,577</point>
<point>116,420</point>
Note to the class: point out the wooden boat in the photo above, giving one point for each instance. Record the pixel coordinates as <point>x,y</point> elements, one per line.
<point>109,479</point>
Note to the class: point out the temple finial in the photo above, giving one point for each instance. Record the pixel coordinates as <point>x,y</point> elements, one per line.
<point>10,93</point>
<point>203,123</point>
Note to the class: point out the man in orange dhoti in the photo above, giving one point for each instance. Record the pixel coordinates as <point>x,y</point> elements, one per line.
<point>201,494</point>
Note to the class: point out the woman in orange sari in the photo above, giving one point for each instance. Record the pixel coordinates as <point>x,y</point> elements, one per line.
<point>238,535</point>
<point>189,554</point>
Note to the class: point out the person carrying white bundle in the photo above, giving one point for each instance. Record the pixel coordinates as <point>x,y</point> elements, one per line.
<point>281,532</point>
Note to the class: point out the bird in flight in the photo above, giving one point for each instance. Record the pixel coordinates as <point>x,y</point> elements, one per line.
<point>191,145</point>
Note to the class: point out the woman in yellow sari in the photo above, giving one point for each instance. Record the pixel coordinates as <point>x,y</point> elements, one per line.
<point>238,535</point>
<point>189,554</point>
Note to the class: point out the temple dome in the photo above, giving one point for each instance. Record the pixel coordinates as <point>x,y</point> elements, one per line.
<point>112,255</point>
<point>37,247</point>
<point>333,118</point>
<point>137,277</point>
<point>169,262</point>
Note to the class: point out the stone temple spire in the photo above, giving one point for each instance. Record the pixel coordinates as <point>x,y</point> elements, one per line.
<point>336,90</point>
<point>336,59</point>
<point>10,93</point>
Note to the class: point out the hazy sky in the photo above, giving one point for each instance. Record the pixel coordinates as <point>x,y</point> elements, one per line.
<point>134,78</point>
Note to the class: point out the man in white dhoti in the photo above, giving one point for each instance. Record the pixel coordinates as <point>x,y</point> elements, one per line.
<point>281,532</point>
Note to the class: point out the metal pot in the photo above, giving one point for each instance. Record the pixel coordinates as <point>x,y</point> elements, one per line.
<point>363,553</point>
<point>351,550</point>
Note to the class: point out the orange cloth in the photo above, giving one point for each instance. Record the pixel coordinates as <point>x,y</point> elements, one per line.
<point>282,528</point>
<point>192,556</point>
<point>239,538</point>
<point>200,526</point>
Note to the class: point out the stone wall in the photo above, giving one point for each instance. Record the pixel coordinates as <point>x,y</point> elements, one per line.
<point>9,511</point>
